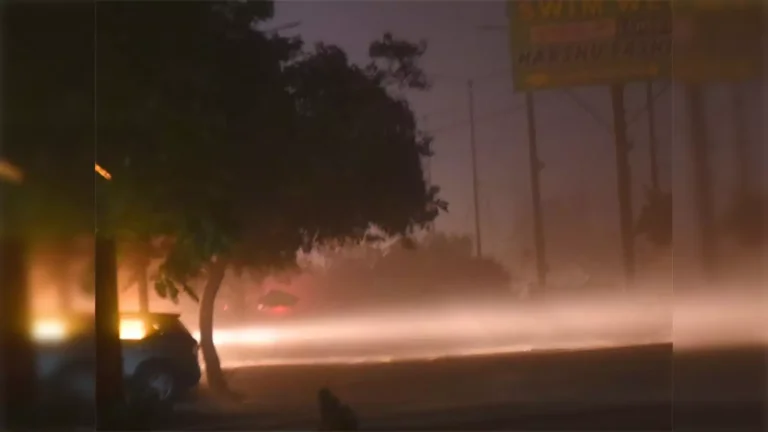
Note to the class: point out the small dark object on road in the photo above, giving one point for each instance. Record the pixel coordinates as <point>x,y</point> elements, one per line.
<point>334,415</point>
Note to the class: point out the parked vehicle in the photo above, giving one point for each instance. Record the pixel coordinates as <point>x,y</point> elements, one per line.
<point>160,357</point>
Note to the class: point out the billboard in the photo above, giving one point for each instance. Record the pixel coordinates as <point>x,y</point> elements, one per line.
<point>565,43</point>
<point>718,40</point>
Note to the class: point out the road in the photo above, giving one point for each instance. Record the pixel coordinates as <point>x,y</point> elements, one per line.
<point>609,389</point>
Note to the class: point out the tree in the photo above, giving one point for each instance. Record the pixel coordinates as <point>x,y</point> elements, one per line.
<point>251,138</point>
<point>354,145</point>
<point>170,95</point>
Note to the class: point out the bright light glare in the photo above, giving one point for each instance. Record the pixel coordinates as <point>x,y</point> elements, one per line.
<point>102,172</point>
<point>132,329</point>
<point>49,330</point>
<point>247,337</point>
<point>55,329</point>
<point>485,328</point>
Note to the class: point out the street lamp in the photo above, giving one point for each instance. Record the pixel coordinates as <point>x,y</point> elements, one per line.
<point>102,172</point>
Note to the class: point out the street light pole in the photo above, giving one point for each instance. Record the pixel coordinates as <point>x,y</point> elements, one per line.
<point>427,166</point>
<point>109,364</point>
<point>473,150</point>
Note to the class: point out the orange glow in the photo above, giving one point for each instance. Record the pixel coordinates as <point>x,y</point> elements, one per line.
<point>280,309</point>
<point>57,329</point>
<point>102,172</point>
<point>132,329</point>
<point>49,330</point>
<point>10,172</point>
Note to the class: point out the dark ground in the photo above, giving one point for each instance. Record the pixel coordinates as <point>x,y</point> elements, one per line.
<point>615,389</point>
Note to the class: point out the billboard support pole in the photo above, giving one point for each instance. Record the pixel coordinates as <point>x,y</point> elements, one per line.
<point>741,143</point>
<point>535,170</point>
<point>652,143</point>
<point>624,182</point>
<point>475,186</point>
<point>702,180</point>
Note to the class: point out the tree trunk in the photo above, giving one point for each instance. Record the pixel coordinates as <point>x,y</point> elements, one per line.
<point>213,373</point>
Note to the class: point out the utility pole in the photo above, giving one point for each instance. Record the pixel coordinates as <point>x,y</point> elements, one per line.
<point>652,143</point>
<point>624,182</point>
<point>535,167</point>
<point>741,143</point>
<point>702,181</point>
<point>428,158</point>
<point>473,149</point>
<point>109,359</point>
<point>427,164</point>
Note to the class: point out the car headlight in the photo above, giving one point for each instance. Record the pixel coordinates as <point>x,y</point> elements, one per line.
<point>53,329</point>
<point>49,330</point>
<point>132,329</point>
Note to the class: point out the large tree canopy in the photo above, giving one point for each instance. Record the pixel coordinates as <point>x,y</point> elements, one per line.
<point>245,148</point>
<point>253,137</point>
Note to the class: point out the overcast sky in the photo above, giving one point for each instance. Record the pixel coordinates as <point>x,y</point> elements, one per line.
<point>575,143</point>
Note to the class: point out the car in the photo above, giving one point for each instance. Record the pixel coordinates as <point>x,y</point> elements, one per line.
<point>160,357</point>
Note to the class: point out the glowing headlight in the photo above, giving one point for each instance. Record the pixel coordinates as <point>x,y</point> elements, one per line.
<point>49,330</point>
<point>132,329</point>
<point>53,330</point>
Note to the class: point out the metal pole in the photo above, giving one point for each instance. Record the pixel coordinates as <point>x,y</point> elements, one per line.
<point>428,167</point>
<point>652,143</point>
<point>741,143</point>
<point>428,158</point>
<point>535,167</point>
<point>624,182</point>
<point>109,364</point>
<point>109,358</point>
<point>428,173</point>
<point>473,149</point>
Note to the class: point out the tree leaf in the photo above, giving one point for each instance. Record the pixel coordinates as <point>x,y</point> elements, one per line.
<point>189,291</point>
<point>161,287</point>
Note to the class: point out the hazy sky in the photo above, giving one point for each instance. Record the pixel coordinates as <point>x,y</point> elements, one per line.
<point>576,145</point>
